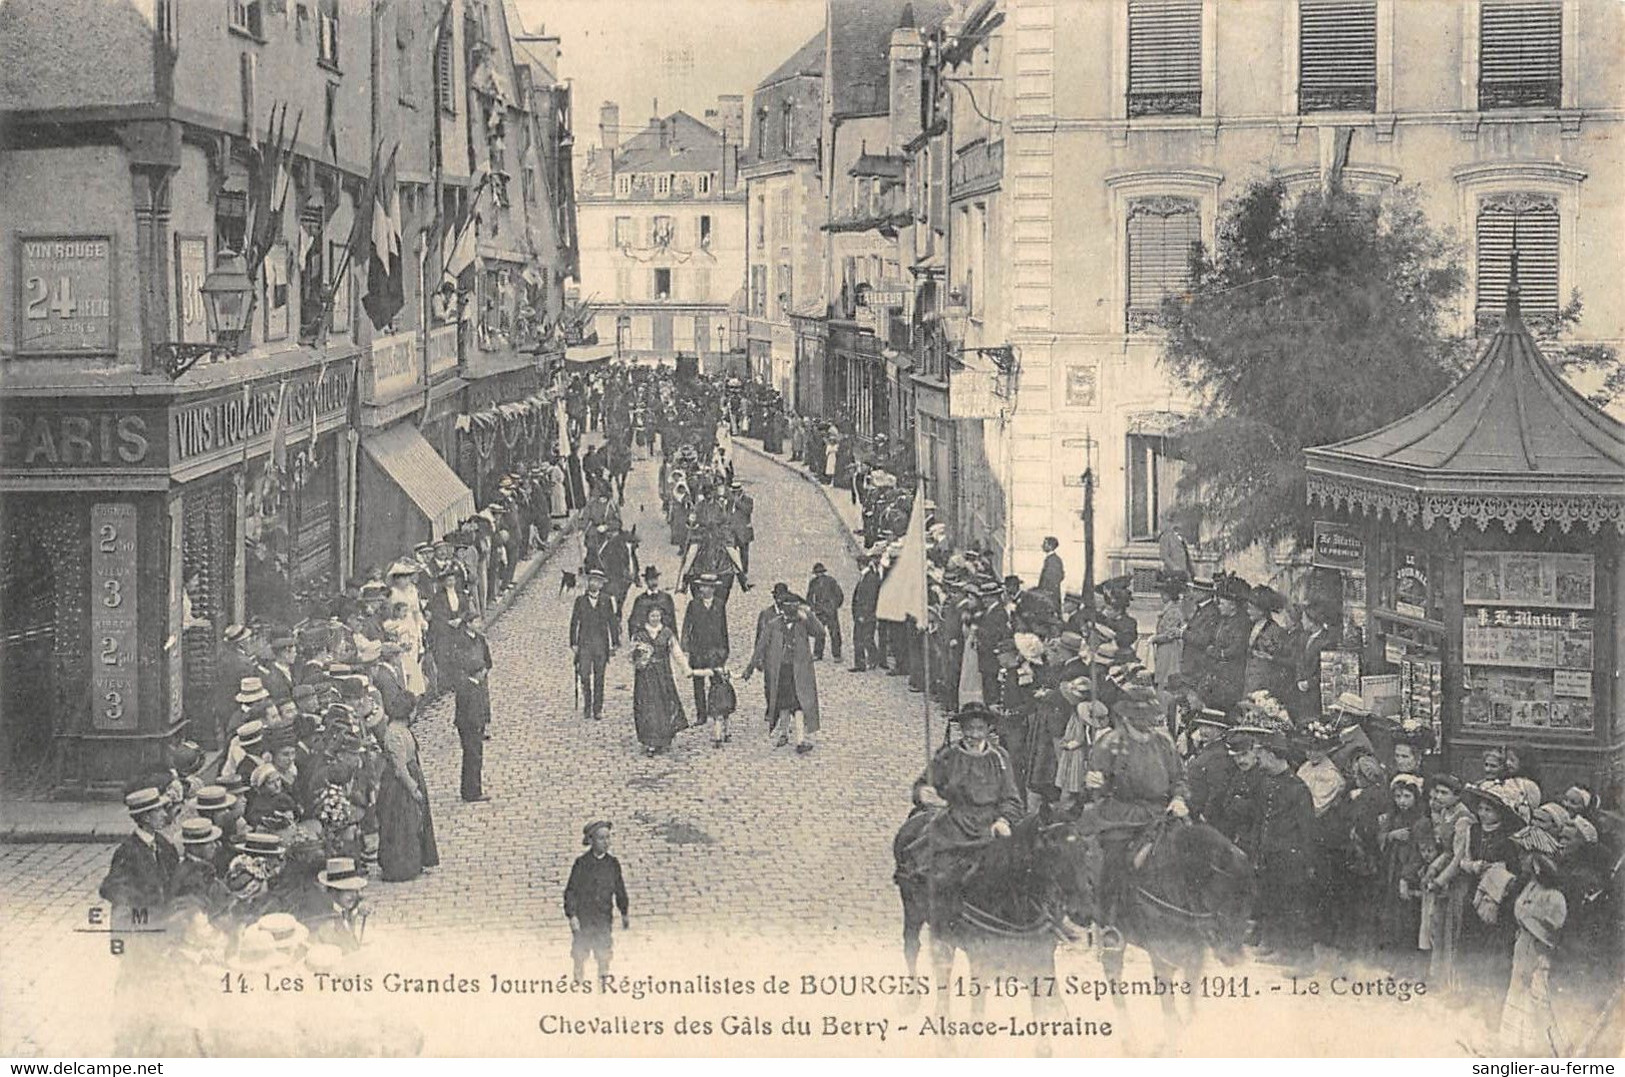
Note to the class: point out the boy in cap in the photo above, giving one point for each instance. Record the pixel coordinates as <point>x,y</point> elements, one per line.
<point>595,890</point>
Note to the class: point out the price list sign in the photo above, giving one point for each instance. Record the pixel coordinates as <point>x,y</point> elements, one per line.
<point>67,304</point>
<point>113,626</point>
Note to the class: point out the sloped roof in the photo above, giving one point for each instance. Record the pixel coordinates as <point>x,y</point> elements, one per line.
<point>690,146</point>
<point>860,40</point>
<point>878,164</point>
<point>1510,441</point>
<point>805,61</point>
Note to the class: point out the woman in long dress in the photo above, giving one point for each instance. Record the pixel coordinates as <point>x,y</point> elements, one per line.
<point>406,842</point>
<point>558,497</point>
<point>657,661</point>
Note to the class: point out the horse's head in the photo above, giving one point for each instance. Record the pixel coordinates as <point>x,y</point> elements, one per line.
<point>1068,861</point>
<point>1223,877</point>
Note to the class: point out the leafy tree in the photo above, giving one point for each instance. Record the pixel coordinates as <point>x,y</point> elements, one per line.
<point>1316,319</point>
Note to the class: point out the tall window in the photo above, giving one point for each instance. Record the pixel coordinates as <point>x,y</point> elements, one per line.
<point>663,183</point>
<point>1337,55</point>
<point>246,17</point>
<point>623,235</point>
<point>662,284</point>
<point>758,291</point>
<point>1153,477</point>
<point>704,233</point>
<point>1164,57</point>
<point>789,126</point>
<point>700,282</point>
<point>623,185</point>
<point>783,287</point>
<point>761,133</point>
<point>1528,222</point>
<point>661,231</point>
<point>761,220</point>
<point>1161,233</point>
<point>1520,54</point>
<point>445,66</point>
<point>704,185</point>
<point>623,283</point>
<point>327,33</point>
<point>405,69</point>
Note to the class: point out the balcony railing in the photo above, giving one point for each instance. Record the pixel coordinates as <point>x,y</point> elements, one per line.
<point>1523,93</point>
<point>978,167</point>
<point>442,349</point>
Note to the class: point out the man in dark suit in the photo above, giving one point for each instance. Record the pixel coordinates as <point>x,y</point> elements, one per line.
<point>824,595</point>
<point>1053,572</point>
<point>652,596</point>
<point>865,597</point>
<point>380,661</point>
<point>618,557</point>
<point>139,878</point>
<point>705,638</point>
<point>278,675</point>
<point>744,532</point>
<point>236,662</point>
<point>595,633</point>
<point>469,665</point>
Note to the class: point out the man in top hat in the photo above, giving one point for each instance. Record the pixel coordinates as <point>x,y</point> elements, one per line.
<point>197,876</point>
<point>595,633</point>
<point>144,863</point>
<point>652,595</point>
<point>704,637</point>
<point>784,654</point>
<point>865,600</point>
<point>825,597</point>
<point>1136,777</point>
<point>1269,666</point>
<point>596,888</point>
<point>343,922</point>
<point>1053,573</point>
<point>1225,664</point>
<point>468,667</point>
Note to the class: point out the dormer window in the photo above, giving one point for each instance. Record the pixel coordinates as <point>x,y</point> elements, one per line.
<point>623,185</point>
<point>663,183</point>
<point>705,183</point>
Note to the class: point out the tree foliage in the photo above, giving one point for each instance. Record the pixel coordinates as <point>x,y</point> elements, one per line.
<point>1317,318</point>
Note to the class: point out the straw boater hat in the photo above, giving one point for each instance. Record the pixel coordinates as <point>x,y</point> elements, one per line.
<point>213,798</point>
<point>251,690</point>
<point>139,802</point>
<point>259,843</point>
<point>341,874</point>
<point>199,832</point>
<point>250,734</point>
<point>236,633</point>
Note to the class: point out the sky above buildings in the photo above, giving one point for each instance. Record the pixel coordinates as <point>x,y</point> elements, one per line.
<point>683,52</point>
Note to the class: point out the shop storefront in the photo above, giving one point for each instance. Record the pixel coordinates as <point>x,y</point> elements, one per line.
<point>1488,528</point>
<point>812,339</point>
<point>501,431</point>
<point>861,390</point>
<point>135,529</point>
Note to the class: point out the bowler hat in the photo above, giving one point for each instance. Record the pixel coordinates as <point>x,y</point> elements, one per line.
<point>597,824</point>
<point>651,573</point>
<point>818,568</point>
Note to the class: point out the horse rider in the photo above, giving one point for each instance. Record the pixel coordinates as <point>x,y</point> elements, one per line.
<point>1136,779</point>
<point>971,787</point>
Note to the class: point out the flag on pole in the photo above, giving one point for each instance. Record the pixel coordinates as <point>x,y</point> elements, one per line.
<point>902,592</point>
<point>279,429</point>
<point>386,276</point>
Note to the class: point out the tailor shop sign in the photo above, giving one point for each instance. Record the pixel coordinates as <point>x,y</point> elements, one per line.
<point>229,420</point>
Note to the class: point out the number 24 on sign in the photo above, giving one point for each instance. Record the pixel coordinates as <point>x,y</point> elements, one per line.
<point>42,304</point>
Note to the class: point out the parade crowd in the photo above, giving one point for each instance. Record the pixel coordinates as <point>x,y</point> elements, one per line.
<point>1490,887</point>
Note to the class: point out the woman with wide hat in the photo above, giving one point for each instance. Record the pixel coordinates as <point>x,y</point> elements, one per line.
<point>1225,664</point>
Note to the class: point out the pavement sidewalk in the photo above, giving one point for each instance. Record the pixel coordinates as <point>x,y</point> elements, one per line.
<point>838,500</point>
<point>71,821</point>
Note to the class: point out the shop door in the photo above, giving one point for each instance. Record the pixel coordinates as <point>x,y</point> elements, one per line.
<point>665,339</point>
<point>27,693</point>
<point>207,551</point>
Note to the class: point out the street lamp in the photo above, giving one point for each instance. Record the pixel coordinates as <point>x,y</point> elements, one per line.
<point>227,292</point>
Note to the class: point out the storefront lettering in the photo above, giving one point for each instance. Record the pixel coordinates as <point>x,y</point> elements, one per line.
<point>239,417</point>
<point>97,440</point>
<point>1503,618</point>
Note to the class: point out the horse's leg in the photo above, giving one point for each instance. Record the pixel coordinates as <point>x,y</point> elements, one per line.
<point>942,965</point>
<point>1162,970</point>
<point>1193,973</point>
<point>913,919</point>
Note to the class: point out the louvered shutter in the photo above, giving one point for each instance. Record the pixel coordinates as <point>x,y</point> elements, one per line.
<point>1520,57</point>
<point>1530,224</point>
<point>1337,51</point>
<point>446,73</point>
<point>1164,57</point>
<point>1161,233</point>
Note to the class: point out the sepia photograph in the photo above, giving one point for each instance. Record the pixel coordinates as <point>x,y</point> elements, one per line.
<point>875,529</point>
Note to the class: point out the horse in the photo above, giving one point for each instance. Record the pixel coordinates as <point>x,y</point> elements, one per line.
<point>708,552</point>
<point>1189,892</point>
<point>1009,912</point>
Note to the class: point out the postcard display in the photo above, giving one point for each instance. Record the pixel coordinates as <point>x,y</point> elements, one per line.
<point>1526,641</point>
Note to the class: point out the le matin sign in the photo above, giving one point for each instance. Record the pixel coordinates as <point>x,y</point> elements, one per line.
<point>1338,546</point>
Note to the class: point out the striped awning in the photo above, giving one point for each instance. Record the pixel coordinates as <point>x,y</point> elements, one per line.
<point>412,464</point>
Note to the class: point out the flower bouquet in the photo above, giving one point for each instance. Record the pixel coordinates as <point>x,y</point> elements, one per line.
<point>643,653</point>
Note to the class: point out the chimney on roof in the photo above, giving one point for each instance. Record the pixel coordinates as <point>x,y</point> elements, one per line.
<point>609,125</point>
<point>907,70</point>
<point>730,118</point>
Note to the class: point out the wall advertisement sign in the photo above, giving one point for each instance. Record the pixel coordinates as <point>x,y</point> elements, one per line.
<point>1338,546</point>
<point>67,303</point>
<point>115,698</point>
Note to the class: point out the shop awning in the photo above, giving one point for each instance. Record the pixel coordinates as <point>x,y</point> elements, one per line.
<point>589,353</point>
<point>428,481</point>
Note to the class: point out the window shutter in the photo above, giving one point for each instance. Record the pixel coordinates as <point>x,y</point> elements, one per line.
<point>1337,50</point>
<point>1161,232</point>
<point>1531,221</point>
<point>1164,57</point>
<point>1520,54</point>
<point>446,74</point>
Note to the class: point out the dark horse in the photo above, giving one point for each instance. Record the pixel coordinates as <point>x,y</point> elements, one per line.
<point>709,553</point>
<point>1189,892</point>
<point>1008,915</point>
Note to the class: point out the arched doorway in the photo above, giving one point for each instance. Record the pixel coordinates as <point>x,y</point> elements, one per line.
<point>27,657</point>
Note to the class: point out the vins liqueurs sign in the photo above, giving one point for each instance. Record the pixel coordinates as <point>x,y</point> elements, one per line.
<point>228,420</point>
<point>66,303</point>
